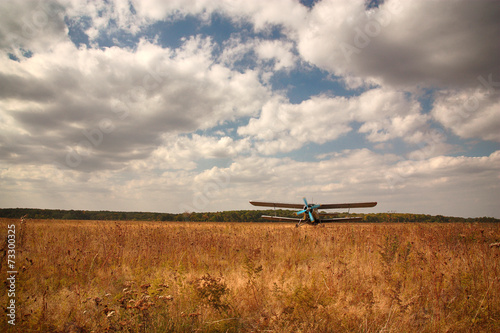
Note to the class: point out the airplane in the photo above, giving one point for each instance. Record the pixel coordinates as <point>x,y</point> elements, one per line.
<point>310,214</point>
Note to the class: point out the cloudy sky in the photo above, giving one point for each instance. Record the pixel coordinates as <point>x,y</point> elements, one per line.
<point>200,105</point>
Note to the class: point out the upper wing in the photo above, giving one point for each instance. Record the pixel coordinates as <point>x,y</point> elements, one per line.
<point>277,204</point>
<point>349,205</point>
<point>340,219</point>
<point>278,218</point>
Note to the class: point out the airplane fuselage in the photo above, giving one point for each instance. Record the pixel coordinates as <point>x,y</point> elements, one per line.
<point>307,219</point>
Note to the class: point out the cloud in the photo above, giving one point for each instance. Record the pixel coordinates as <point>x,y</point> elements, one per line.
<point>31,26</point>
<point>398,44</point>
<point>283,127</point>
<point>262,14</point>
<point>181,152</point>
<point>99,108</point>
<point>278,51</point>
<point>470,181</point>
<point>383,115</point>
<point>469,113</point>
<point>105,17</point>
<point>404,44</point>
<point>418,186</point>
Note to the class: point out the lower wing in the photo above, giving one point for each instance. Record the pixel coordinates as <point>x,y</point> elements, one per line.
<point>278,218</point>
<point>340,219</point>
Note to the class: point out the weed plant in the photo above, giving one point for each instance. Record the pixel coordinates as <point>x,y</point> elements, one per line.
<point>92,276</point>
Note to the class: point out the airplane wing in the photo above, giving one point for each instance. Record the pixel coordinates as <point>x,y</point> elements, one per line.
<point>329,214</point>
<point>348,205</point>
<point>277,204</point>
<point>278,218</point>
<point>340,219</point>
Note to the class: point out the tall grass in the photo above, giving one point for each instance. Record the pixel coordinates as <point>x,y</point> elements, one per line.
<point>83,276</point>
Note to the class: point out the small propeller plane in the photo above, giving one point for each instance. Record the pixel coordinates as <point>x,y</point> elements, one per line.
<point>310,214</point>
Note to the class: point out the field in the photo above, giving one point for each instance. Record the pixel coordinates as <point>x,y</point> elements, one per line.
<point>84,276</point>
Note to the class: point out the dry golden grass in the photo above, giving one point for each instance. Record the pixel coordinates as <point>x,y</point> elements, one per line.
<point>83,276</point>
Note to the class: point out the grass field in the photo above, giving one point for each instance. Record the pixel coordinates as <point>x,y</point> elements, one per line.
<point>84,276</point>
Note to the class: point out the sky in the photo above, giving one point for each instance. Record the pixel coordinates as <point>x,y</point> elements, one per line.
<point>200,105</point>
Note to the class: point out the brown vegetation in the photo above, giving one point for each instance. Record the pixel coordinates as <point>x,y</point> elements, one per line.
<point>83,276</point>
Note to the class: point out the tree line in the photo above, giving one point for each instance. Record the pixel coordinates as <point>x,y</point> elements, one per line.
<point>224,216</point>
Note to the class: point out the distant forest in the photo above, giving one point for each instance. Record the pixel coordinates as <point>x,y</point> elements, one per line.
<point>225,216</point>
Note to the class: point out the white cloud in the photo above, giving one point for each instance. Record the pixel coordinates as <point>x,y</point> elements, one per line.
<point>115,103</point>
<point>384,115</point>
<point>264,14</point>
<point>398,44</point>
<point>456,186</point>
<point>466,181</point>
<point>182,152</point>
<point>469,113</point>
<point>31,26</point>
<point>235,49</point>
<point>403,43</point>
<point>279,51</point>
<point>261,13</point>
<point>283,127</point>
<point>103,13</point>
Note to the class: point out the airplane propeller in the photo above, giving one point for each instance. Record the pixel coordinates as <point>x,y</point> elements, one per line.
<point>308,209</point>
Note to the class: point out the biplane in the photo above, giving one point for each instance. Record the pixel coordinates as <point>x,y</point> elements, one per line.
<point>310,213</point>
